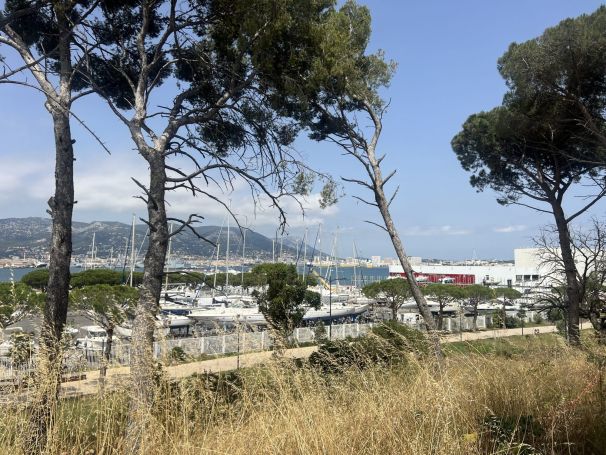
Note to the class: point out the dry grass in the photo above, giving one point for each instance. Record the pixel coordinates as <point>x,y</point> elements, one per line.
<point>546,399</point>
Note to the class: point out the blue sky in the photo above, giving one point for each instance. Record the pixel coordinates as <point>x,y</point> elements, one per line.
<point>447,53</point>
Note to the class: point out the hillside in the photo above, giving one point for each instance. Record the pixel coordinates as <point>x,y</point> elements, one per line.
<point>30,237</point>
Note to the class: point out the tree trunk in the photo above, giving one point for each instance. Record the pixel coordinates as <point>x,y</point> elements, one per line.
<point>474,326</point>
<point>383,205</point>
<point>142,356</point>
<point>599,325</point>
<point>572,284</point>
<point>50,361</point>
<point>394,312</point>
<point>440,315</point>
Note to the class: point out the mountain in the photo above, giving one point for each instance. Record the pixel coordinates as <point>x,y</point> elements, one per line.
<point>30,237</point>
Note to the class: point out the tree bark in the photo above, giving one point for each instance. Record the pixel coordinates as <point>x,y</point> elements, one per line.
<point>48,374</point>
<point>474,326</point>
<point>599,325</point>
<point>383,205</point>
<point>440,315</point>
<point>142,356</point>
<point>572,285</point>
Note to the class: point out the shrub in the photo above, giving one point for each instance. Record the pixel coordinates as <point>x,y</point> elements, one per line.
<point>37,279</point>
<point>178,354</point>
<point>387,345</point>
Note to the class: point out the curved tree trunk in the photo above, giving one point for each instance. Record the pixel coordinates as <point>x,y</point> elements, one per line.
<point>373,167</point>
<point>572,284</point>
<point>142,356</point>
<point>414,287</point>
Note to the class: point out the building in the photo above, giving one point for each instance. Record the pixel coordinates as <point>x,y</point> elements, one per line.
<point>526,271</point>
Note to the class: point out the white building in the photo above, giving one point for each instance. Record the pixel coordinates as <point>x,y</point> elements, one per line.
<point>525,272</point>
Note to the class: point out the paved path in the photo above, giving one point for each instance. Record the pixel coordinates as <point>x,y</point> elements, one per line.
<point>487,334</point>
<point>121,375</point>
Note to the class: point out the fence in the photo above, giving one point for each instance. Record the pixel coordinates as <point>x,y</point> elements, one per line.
<point>254,341</point>
<point>79,360</point>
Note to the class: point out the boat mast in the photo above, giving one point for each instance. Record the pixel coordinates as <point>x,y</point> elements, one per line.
<point>216,268</point>
<point>170,244</point>
<point>132,253</point>
<point>227,258</point>
<point>305,254</point>
<point>334,256</point>
<point>92,253</point>
<point>320,246</point>
<point>355,260</point>
<point>243,255</point>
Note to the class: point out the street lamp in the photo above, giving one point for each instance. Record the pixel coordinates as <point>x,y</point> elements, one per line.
<point>330,282</point>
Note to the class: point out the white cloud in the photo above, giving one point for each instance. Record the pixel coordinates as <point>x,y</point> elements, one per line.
<point>21,175</point>
<point>112,190</point>
<point>509,229</point>
<point>434,231</point>
<point>106,190</point>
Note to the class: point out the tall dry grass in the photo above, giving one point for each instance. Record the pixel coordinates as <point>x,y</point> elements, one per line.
<point>542,399</point>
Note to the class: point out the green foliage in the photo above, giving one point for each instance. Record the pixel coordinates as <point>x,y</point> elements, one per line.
<point>17,301</point>
<point>394,291</point>
<point>444,293</point>
<point>547,133</point>
<point>386,345</point>
<point>95,277</point>
<point>350,80</point>
<point>303,183</point>
<point>508,294</point>
<point>478,293</point>
<point>37,279</point>
<point>329,195</point>
<point>106,304</point>
<point>286,297</point>
<point>402,337</point>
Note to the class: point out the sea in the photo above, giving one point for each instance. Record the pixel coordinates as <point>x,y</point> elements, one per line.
<point>345,275</point>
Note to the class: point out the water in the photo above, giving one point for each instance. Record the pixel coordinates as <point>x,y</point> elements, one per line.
<point>345,274</point>
<point>16,274</point>
<point>5,274</point>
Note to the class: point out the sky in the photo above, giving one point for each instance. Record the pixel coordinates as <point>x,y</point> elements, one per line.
<point>446,53</point>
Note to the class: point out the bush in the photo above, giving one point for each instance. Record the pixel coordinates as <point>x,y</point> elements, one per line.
<point>96,276</point>
<point>37,279</point>
<point>387,345</point>
<point>178,354</point>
